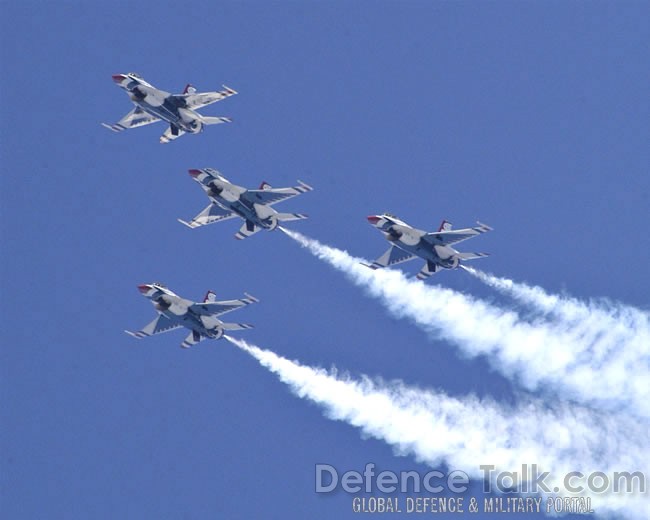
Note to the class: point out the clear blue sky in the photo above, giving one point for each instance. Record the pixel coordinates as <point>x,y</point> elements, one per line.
<point>530,116</point>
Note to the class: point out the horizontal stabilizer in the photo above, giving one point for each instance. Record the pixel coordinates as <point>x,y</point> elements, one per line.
<point>285,217</point>
<point>236,326</point>
<point>428,269</point>
<point>471,256</point>
<point>208,120</point>
<point>248,228</point>
<point>192,339</point>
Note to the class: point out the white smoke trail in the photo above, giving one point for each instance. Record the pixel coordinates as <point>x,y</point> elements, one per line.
<point>573,360</point>
<point>467,433</point>
<point>619,324</point>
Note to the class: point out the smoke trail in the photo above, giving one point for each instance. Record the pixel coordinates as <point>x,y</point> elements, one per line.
<point>467,433</point>
<point>574,360</point>
<point>622,324</point>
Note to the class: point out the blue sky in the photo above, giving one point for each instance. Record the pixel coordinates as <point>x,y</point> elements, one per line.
<point>532,117</point>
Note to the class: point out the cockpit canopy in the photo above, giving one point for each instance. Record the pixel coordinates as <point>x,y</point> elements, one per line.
<point>134,74</point>
<point>158,284</point>
<point>391,215</point>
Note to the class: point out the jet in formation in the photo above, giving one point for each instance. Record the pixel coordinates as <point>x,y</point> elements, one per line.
<point>201,318</point>
<point>435,248</point>
<point>227,200</point>
<point>179,110</point>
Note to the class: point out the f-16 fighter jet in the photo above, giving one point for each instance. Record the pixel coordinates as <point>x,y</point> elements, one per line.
<point>228,200</point>
<point>175,312</point>
<point>435,248</point>
<point>179,110</point>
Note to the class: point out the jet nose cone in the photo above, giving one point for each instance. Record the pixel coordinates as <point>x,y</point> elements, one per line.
<point>194,173</point>
<point>119,78</point>
<point>144,289</point>
<point>373,219</point>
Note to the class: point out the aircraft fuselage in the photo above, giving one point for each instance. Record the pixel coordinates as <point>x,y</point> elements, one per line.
<point>178,310</point>
<point>159,104</point>
<point>411,240</point>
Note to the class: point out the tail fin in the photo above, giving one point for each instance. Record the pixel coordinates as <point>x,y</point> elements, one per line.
<point>265,186</point>
<point>445,226</point>
<point>189,89</point>
<point>210,296</point>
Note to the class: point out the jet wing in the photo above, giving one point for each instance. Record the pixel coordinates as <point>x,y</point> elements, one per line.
<point>270,196</point>
<point>219,308</point>
<point>202,99</point>
<point>213,213</point>
<point>137,117</point>
<point>158,326</point>
<point>446,238</point>
<point>393,256</point>
<point>173,132</point>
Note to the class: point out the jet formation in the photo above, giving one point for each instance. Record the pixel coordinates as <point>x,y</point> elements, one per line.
<point>435,248</point>
<point>255,208</point>
<point>201,318</point>
<point>178,110</point>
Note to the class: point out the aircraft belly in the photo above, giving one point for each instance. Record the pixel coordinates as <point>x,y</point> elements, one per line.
<point>159,111</point>
<point>229,195</point>
<point>244,211</point>
<point>414,250</point>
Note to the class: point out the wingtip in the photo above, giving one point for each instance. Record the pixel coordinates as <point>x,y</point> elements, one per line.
<point>231,91</point>
<point>251,297</point>
<point>305,185</point>
<point>489,228</point>
<point>186,223</point>
<point>369,266</point>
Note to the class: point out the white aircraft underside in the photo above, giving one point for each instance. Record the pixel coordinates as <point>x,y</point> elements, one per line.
<point>435,248</point>
<point>229,201</point>
<point>201,318</point>
<point>179,110</point>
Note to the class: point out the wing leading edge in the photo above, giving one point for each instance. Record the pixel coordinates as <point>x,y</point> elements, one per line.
<point>393,256</point>
<point>137,117</point>
<point>448,237</point>
<point>157,326</point>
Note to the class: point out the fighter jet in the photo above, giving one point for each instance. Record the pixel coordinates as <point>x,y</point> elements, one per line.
<point>435,247</point>
<point>175,312</point>
<point>228,200</point>
<point>179,110</point>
